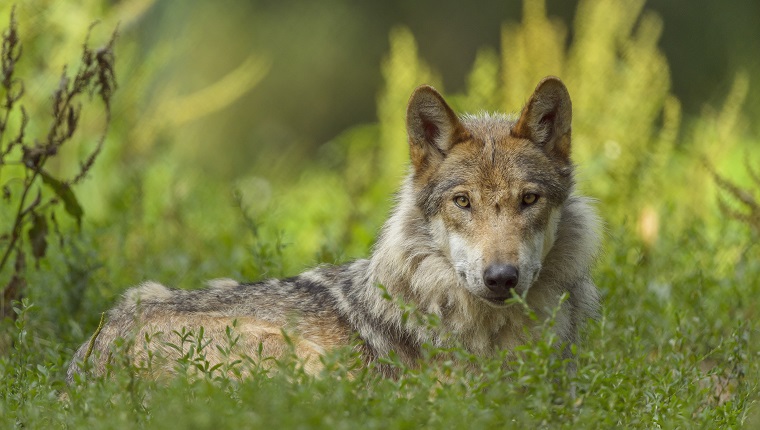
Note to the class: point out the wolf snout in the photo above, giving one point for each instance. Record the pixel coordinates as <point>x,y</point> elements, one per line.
<point>501,278</point>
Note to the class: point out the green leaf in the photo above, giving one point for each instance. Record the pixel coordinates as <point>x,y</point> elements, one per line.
<point>63,191</point>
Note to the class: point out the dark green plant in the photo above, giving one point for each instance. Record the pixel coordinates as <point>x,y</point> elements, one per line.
<point>31,189</point>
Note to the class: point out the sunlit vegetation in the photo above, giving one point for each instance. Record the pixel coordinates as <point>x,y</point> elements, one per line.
<point>675,345</point>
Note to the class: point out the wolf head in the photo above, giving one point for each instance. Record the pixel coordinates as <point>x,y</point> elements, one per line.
<point>492,187</point>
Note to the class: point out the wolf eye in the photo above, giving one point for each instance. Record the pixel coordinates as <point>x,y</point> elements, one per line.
<point>529,198</point>
<point>462,201</point>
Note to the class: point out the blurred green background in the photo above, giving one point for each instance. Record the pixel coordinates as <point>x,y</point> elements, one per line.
<point>256,138</point>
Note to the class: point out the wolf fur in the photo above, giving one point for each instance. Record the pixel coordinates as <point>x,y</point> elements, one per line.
<point>487,211</point>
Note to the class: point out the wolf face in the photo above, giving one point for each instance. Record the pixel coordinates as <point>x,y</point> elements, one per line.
<point>487,211</point>
<point>492,187</point>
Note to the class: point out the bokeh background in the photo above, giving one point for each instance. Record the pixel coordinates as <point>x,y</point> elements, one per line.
<point>257,138</point>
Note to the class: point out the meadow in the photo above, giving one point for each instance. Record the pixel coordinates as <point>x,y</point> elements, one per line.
<point>133,193</point>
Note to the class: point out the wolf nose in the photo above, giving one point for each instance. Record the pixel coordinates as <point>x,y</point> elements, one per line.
<point>500,278</point>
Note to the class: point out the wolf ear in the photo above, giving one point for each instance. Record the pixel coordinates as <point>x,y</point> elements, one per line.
<point>432,126</point>
<point>546,118</point>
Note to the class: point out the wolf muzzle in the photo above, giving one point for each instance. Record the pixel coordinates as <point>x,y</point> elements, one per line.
<point>501,279</point>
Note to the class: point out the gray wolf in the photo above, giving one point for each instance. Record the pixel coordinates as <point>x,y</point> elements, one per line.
<point>487,210</point>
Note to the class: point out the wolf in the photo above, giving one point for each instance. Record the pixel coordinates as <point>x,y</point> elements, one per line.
<point>486,213</point>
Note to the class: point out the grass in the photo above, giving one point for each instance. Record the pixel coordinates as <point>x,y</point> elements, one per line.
<point>673,348</point>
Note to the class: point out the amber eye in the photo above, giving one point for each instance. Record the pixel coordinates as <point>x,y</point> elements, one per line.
<point>529,199</point>
<point>462,201</point>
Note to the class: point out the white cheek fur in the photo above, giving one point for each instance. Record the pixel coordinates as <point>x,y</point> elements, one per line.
<point>468,263</point>
<point>459,251</point>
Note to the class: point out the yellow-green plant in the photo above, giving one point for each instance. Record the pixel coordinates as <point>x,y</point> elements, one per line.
<point>713,138</point>
<point>335,210</point>
<point>624,127</point>
<point>139,183</point>
<point>749,211</point>
<point>625,120</point>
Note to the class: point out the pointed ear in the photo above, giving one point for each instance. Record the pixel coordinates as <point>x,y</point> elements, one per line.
<point>432,126</point>
<point>546,118</point>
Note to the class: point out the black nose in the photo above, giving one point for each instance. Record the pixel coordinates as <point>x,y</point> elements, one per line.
<point>500,278</point>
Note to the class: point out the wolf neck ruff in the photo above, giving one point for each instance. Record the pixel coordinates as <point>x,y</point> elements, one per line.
<point>486,212</point>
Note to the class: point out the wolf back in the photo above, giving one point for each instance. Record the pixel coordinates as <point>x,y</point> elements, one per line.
<point>487,211</point>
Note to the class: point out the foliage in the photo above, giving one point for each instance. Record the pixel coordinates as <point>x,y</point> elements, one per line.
<point>25,161</point>
<point>675,345</point>
<point>750,213</point>
<point>625,125</point>
<point>692,364</point>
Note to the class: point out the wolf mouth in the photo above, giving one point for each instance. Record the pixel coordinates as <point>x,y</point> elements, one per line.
<point>500,301</point>
<point>460,228</point>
